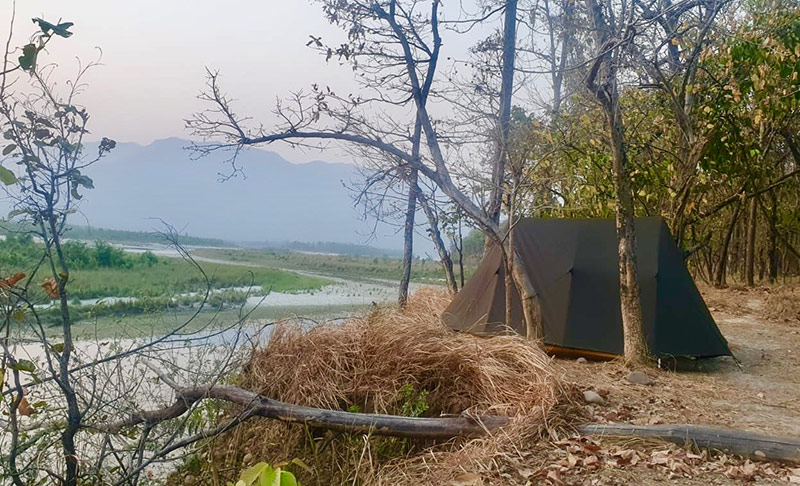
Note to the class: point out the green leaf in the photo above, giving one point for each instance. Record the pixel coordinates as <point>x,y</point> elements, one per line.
<point>251,474</point>
<point>25,365</point>
<point>270,477</point>
<point>75,193</point>
<point>41,133</point>
<point>7,177</point>
<point>85,181</point>
<point>18,315</point>
<point>27,61</point>
<point>60,29</point>
<point>287,479</point>
<point>9,149</point>
<point>302,464</point>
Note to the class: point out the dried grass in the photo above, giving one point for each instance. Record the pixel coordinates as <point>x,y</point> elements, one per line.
<point>782,303</point>
<point>779,303</point>
<point>370,364</point>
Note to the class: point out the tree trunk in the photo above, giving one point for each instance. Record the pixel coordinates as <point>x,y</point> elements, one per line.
<point>602,82</point>
<point>722,264</point>
<point>504,117</point>
<point>508,281</point>
<point>530,304</point>
<point>408,238</point>
<point>436,236</point>
<point>460,248</point>
<point>629,294</point>
<point>438,428</point>
<point>747,444</point>
<point>773,240</point>
<point>750,255</point>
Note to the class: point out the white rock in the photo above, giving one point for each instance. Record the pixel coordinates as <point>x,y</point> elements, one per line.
<point>581,360</point>
<point>592,397</point>
<point>639,378</point>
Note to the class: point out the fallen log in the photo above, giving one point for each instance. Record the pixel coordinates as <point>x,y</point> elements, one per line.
<point>754,446</point>
<point>737,442</point>
<point>362,423</point>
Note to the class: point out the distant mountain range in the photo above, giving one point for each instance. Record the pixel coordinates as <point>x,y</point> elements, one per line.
<point>275,200</point>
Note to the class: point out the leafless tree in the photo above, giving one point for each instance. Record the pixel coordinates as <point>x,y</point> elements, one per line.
<point>59,391</point>
<point>397,46</point>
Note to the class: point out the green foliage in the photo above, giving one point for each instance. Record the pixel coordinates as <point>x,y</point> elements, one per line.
<point>414,404</point>
<point>262,474</point>
<point>473,244</point>
<point>60,29</point>
<point>7,177</point>
<point>20,251</point>
<point>144,283</point>
<point>27,61</point>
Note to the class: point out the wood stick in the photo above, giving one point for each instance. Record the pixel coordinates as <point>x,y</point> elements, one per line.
<point>378,424</point>
<point>747,444</point>
<point>737,442</point>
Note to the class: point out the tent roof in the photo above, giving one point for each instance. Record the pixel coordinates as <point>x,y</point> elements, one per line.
<point>572,264</point>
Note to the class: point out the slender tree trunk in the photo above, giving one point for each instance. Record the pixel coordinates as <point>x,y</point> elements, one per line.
<point>60,273</point>
<point>722,264</point>
<point>436,236</point>
<point>460,249</point>
<point>773,240</point>
<point>602,82</point>
<point>750,254</point>
<point>504,117</point>
<point>508,281</point>
<point>629,293</point>
<point>735,251</point>
<point>411,211</point>
<point>408,237</point>
<point>534,324</point>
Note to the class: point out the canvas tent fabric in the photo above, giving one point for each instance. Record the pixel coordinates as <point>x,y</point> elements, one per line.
<point>573,266</point>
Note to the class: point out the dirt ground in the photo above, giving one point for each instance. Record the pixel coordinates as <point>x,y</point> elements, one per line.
<point>757,392</point>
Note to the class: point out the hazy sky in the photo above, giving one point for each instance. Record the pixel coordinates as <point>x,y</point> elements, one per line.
<point>155,53</point>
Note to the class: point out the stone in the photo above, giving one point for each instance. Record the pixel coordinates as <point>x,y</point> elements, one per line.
<point>467,479</point>
<point>582,360</point>
<point>592,397</point>
<point>639,378</point>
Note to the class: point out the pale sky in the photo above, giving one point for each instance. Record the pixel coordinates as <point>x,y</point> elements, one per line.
<point>155,53</point>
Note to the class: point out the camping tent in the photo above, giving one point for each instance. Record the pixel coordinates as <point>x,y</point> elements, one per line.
<point>573,266</point>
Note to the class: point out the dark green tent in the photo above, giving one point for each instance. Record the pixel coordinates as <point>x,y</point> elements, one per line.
<point>572,264</point>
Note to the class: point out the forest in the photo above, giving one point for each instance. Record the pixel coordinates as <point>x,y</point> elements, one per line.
<point>480,126</point>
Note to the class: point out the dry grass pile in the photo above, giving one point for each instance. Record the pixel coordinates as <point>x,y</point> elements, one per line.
<point>398,362</point>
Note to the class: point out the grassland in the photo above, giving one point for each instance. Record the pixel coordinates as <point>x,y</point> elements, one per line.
<point>137,325</point>
<point>171,276</point>
<point>333,265</point>
<point>142,283</point>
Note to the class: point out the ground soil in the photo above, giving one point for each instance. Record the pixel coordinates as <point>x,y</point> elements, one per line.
<point>759,391</point>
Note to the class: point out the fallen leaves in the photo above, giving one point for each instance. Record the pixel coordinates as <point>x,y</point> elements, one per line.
<point>51,288</point>
<point>11,281</point>
<point>582,456</point>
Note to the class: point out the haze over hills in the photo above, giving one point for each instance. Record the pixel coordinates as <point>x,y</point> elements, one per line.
<point>275,201</point>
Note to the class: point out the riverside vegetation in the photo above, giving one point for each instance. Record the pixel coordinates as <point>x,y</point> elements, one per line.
<point>144,283</point>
